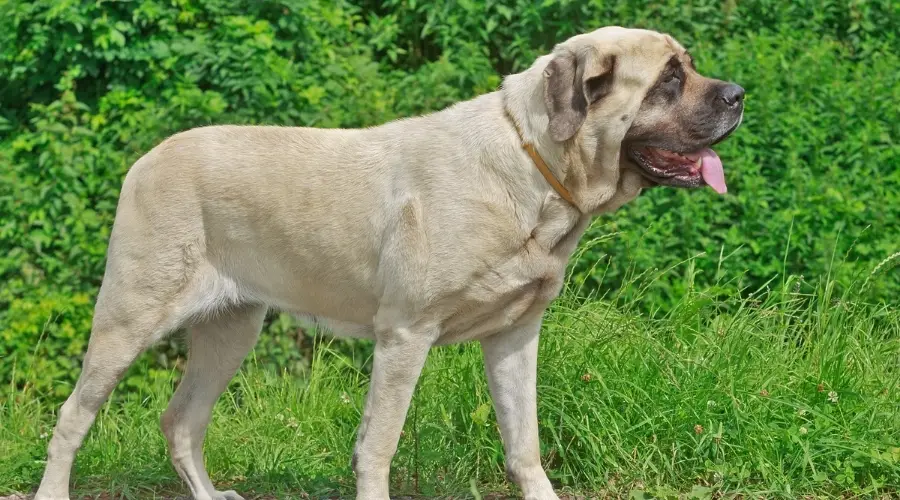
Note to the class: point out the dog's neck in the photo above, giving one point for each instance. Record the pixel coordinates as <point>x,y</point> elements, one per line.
<point>542,166</point>
<point>593,186</point>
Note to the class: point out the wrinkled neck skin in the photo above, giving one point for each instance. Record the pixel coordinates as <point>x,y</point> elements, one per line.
<point>588,164</point>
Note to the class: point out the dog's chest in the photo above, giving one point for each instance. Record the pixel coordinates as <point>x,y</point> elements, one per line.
<point>515,290</point>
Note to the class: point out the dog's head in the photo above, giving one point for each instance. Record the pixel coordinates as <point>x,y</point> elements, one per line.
<point>639,90</point>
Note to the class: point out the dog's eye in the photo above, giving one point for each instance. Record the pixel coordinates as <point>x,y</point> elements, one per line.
<point>673,77</point>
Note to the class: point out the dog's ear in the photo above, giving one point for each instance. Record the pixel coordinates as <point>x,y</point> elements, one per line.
<point>572,82</point>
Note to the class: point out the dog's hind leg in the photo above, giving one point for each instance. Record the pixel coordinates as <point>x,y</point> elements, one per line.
<point>217,347</point>
<point>125,324</point>
<point>154,282</point>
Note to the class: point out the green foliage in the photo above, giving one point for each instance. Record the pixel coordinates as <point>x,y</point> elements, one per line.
<point>90,86</point>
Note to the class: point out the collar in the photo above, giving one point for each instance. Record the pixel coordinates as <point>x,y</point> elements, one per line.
<point>542,166</point>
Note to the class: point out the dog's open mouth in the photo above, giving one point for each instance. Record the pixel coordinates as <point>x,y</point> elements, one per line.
<point>688,169</point>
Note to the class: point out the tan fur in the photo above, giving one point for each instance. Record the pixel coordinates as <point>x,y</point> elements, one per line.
<point>419,232</point>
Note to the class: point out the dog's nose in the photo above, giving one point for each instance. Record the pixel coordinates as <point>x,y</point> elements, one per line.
<point>732,94</point>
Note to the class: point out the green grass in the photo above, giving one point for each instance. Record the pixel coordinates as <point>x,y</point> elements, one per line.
<point>789,392</point>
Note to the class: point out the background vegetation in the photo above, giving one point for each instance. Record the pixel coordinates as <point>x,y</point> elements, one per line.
<point>792,395</point>
<point>814,177</point>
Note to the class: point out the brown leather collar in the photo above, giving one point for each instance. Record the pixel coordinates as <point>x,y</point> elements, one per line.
<point>542,166</point>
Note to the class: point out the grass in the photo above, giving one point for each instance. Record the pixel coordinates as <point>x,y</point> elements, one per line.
<point>787,392</point>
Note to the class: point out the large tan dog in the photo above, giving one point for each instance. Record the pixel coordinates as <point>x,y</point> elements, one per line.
<point>449,227</point>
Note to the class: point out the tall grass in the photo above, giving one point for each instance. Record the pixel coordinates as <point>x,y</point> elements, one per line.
<point>789,391</point>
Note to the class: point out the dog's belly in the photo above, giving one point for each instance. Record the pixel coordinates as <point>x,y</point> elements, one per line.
<point>301,271</point>
<point>345,300</point>
<point>494,300</point>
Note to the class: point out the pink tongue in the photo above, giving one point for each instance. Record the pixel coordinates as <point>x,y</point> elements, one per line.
<point>712,171</point>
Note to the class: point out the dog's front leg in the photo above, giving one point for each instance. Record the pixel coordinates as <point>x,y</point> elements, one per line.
<point>510,360</point>
<point>399,356</point>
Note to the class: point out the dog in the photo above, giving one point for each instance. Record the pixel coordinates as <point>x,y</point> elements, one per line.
<point>449,227</point>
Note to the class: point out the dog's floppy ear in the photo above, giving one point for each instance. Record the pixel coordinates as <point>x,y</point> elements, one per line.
<point>572,82</point>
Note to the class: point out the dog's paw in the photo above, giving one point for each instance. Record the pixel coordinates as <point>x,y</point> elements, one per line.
<point>227,495</point>
<point>36,497</point>
<point>540,489</point>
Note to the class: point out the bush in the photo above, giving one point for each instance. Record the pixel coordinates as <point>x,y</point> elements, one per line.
<point>88,87</point>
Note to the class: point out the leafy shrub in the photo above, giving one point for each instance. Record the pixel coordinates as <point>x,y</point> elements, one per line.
<point>88,87</point>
